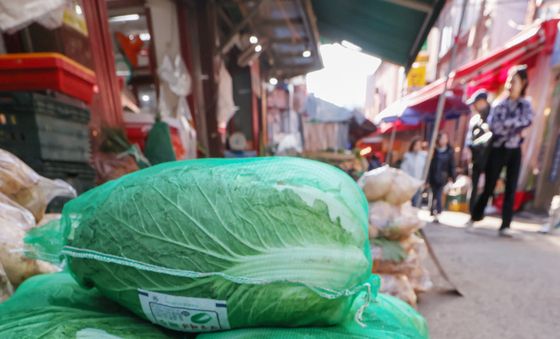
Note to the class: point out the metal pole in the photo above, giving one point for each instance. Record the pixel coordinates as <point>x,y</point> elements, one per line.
<point>394,131</point>
<point>439,115</point>
<point>392,143</point>
<point>441,100</point>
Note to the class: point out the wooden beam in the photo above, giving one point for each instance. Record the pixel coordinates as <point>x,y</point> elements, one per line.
<point>106,106</point>
<point>207,25</point>
<point>225,17</point>
<point>252,13</point>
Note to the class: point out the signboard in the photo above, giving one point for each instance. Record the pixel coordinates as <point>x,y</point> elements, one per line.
<point>555,168</point>
<point>417,76</point>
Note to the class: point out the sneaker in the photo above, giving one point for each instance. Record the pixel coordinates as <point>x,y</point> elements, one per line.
<point>545,229</point>
<point>469,226</point>
<point>436,219</point>
<point>505,232</point>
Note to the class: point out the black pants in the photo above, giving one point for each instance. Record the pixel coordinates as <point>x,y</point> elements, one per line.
<point>437,196</point>
<point>477,170</point>
<point>498,159</point>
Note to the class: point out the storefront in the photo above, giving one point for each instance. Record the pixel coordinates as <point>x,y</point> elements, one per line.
<point>536,47</point>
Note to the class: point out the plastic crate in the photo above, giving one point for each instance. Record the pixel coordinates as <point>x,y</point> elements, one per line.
<point>46,71</point>
<point>40,128</point>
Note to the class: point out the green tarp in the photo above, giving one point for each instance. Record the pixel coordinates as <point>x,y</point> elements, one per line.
<point>393,30</point>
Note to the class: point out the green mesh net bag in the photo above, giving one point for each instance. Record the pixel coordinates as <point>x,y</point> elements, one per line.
<point>214,244</point>
<point>385,318</point>
<point>55,306</point>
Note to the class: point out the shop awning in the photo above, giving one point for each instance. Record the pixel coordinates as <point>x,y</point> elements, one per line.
<point>418,107</point>
<point>393,30</point>
<point>488,72</point>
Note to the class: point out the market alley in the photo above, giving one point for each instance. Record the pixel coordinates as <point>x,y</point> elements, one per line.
<point>509,286</point>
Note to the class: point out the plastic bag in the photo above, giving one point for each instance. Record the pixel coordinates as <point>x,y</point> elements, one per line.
<point>393,222</point>
<point>14,221</point>
<point>394,257</point>
<point>385,318</point>
<point>37,197</point>
<point>17,14</point>
<point>398,286</point>
<point>109,166</point>
<point>14,214</point>
<point>176,75</point>
<point>389,184</point>
<point>420,280</point>
<point>403,188</point>
<point>226,106</point>
<point>419,277</point>
<point>6,288</point>
<point>159,147</point>
<point>407,266</point>
<point>54,306</point>
<point>50,217</point>
<point>377,183</point>
<point>32,191</point>
<point>553,216</point>
<point>265,241</point>
<point>12,232</point>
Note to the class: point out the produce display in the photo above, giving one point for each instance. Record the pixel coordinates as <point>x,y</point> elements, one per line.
<point>54,306</point>
<point>254,242</point>
<point>393,222</point>
<point>385,318</point>
<point>6,288</point>
<point>389,184</point>
<point>30,190</point>
<point>397,253</point>
<point>24,196</point>
<point>14,221</point>
<point>236,248</point>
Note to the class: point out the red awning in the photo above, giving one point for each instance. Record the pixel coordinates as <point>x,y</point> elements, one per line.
<point>388,127</point>
<point>490,69</point>
<point>488,72</point>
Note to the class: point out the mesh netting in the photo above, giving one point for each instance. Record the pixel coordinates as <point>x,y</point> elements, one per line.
<point>55,306</point>
<point>282,241</point>
<point>385,318</point>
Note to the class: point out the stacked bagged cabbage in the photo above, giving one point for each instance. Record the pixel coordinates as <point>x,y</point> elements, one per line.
<point>24,196</point>
<point>397,253</point>
<point>214,244</point>
<point>385,318</point>
<point>54,306</point>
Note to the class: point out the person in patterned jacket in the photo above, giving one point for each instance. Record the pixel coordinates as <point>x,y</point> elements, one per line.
<point>507,120</point>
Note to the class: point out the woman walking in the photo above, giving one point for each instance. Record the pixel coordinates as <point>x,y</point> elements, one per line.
<point>413,164</point>
<point>507,120</point>
<point>442,169</point>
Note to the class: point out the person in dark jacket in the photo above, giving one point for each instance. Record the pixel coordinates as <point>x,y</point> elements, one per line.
<point>442,169</point>
<point>508,118</point>
<point>477,140</point>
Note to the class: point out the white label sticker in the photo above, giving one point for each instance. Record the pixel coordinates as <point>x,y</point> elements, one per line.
<point>183,313</point>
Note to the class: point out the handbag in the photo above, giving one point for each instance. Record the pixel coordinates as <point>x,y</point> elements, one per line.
<point>480,148</point>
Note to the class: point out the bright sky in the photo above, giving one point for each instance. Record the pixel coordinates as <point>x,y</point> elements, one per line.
<point>343,80</point>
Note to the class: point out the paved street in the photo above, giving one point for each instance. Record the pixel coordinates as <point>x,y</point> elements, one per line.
<point>511,287</point>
